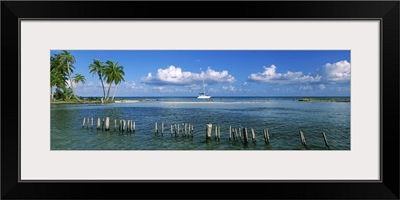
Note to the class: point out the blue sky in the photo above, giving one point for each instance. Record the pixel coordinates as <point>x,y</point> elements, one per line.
<point>225,72</point>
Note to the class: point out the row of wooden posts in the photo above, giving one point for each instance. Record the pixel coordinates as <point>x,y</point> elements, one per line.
<point>188,130</point>
<point>104,124</point>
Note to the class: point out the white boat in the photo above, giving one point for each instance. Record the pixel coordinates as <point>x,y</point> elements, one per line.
<point>203,94</point>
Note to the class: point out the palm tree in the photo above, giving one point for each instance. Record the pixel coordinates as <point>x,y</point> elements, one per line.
<point>79,78</point>
<point>68,59</point>
<point>113,73</point>
<point>118,78</point>
<point>58,75</point>
<point>97,67</point>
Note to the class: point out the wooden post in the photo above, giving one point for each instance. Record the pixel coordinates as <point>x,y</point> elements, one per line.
<point>107,123</point>
<point>266,136</point>
<point>303,140</point>
<point>236,134</point>
<point>253,135</point>
<point>191,130</point>
<point>83,123</point>
<point>87,124</point>
<point>102,125</point>
<point>216,132</point>
<point>178,130</point>
<point>208,131</point>
<point>186,132</point>
<point>115,124</point>
<point>128,126</point>
<point>230,132</point>
<point>240,133</point>
<point>162,128</point>
<point>155,129</point>
<point>134,127</point>
<point>325,140</point>
<point>98,123</point>
<point>120,125</point>
<point>171,129</point>
<point>92,123</point>
<point>219,132</point>
<point>123,125</point>
<point>246,139</point>
<point>175,129</point>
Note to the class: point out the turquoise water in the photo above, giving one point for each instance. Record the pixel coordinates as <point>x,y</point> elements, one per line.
<point>283,117</point>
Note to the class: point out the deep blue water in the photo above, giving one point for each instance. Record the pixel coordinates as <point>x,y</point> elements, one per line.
<point>283,117</point>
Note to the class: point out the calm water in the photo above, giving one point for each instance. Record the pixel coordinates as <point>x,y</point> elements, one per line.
<point>283,117</point>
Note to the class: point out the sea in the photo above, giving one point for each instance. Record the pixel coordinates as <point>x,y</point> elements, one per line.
<point>283,117</point>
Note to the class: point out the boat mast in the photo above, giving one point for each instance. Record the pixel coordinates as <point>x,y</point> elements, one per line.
<point>204,88</point>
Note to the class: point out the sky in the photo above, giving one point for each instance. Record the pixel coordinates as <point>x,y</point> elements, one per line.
<point>151,73</point>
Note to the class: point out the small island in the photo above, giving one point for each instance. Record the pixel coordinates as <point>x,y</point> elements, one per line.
<point>325,99</point>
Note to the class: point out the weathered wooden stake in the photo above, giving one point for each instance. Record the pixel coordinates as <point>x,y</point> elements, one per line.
<point>186,131</point>
<point>83,123</point>
<point>245,137</point>
<point>236,134</point>
<point>87,124</point>
<point>175,129</point>
<point>266,136</point>
<point>325,140</point>
<point>91,124</point>
<point>208,131</point>
<point>230,132</point>
<point>303,140</point>
<point>216,132</point>
<point>128,126</point>
<point>98,123</point>
<point>134,127</point>
<point>219,132</point>
<point>171,129</point>
<point>123,125</point>
<point>120,125</point>
<point>155,129</point>
<point>115,124</point>
<point>162,128</point>
<point>253,135</point>
<point>178,130</point>
<point>107,123</point>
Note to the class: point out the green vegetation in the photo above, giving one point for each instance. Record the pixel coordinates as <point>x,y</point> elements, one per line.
<point>62,79</point>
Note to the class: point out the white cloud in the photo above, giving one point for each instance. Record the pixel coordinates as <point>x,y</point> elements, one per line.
<point>321,86</point>
<point>130,85</point>
<point>175,76</point>
<point>90,84</point>
<point>307,87</point>
<point>270,76</point>
<point>244,84</point>
<point>229,88</point>
<point>337,72</point>
<point>194,87</point>
<point>160,88</point>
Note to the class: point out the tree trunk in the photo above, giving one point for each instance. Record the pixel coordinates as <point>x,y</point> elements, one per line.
<point>70,82</point>
<point>52,94</point>
<point>102,84</point>
<point>108,92</point>
<point>115,91</point>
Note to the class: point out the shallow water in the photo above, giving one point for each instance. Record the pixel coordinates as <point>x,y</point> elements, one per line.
<point>283,117</point>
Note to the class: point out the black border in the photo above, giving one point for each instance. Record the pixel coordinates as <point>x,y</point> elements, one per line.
<point>386,11</point>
